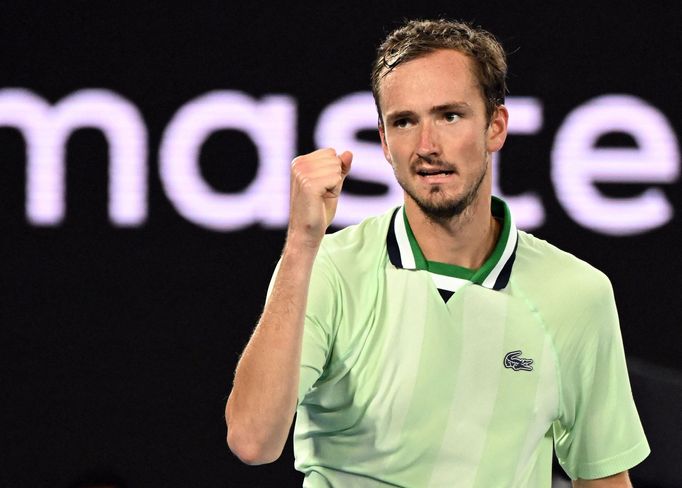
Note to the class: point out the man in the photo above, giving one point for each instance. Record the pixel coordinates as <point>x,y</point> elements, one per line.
<point>435,345</point>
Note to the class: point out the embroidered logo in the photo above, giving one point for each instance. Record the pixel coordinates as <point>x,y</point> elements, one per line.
<point>513,360</point>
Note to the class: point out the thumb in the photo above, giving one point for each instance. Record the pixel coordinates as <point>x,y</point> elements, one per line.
<point>346,160</point>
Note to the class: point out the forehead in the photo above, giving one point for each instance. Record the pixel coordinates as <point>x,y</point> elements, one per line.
<point>443,76</point>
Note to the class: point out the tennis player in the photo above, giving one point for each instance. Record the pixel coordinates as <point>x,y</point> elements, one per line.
<point>435,345</point>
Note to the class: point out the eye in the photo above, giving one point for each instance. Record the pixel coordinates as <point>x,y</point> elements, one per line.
<point>451,116</point>
<point>401,123</point>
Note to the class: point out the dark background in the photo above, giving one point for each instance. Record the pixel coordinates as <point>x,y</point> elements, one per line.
<point>119,344</point>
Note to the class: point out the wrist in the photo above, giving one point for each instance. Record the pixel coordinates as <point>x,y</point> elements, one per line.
<point>298,256</point>
<point>302,243</point>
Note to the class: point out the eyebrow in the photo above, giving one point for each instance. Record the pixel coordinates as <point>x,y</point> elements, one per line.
<point>446,107</point>
<point>450,107</point>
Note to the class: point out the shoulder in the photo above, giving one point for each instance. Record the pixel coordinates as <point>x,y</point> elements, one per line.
<point>543,264</point>
<point>572,297</point>
<point>357,246</point>
<point>347,277</point>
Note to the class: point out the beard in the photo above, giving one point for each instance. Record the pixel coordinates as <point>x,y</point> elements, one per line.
<point>438,206</point>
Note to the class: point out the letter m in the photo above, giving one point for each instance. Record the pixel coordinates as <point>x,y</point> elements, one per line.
<point>46,129</point>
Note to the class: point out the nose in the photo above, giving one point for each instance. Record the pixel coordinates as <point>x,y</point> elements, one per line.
<point>428,140</point>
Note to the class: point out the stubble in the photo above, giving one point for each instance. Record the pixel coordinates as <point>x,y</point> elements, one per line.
<point>438,206</point>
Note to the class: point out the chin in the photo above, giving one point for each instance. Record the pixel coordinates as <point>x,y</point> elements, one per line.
<point>442,208</point>
<point>444,211</point>
<point>438,205</point>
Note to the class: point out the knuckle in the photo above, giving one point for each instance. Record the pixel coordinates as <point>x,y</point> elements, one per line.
<point>297,161</point>
<point>307,184</point>
<point>299,168</point>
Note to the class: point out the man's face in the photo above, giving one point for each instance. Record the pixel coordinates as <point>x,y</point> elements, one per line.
<point>435,135</point>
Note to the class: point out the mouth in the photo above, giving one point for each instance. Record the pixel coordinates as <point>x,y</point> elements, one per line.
<point>435,172</point>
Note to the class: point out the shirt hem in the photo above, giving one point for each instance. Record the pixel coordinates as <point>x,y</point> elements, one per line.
<point>614,465</point>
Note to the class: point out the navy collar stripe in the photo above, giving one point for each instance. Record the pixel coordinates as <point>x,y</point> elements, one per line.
<point>392,243</point>
<point>505,274</point>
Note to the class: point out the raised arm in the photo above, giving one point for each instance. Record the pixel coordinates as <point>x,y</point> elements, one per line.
<point>262,403</point>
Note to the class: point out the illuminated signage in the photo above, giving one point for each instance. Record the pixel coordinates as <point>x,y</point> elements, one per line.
<point>577,163</point>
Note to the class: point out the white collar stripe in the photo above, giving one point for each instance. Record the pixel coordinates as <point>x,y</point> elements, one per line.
<point>406,255</point>
<point>448,283</point>
<point>490,280</point>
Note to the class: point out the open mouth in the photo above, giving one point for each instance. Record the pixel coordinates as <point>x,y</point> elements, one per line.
<point>434,172</point>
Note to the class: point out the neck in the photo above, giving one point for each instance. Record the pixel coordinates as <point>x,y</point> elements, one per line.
<point>465,240</point>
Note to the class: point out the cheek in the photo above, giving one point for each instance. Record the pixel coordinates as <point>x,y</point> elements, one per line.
<point>466,151</point>
<point>396,151</point>
<point>473,145</point>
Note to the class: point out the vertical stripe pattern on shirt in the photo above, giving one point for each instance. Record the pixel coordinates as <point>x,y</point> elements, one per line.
<point>483,323</point>
<point>547,388</point>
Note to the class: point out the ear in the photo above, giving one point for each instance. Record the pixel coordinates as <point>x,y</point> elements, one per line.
<point>497,129</point>
<point>384,145</point>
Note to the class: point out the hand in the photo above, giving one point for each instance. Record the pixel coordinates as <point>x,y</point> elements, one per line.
<point>316,181</point>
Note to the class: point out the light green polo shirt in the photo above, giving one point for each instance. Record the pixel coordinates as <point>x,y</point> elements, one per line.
<point>420,374</point>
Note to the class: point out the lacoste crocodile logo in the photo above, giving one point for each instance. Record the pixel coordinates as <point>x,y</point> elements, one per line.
<point>513,360</point>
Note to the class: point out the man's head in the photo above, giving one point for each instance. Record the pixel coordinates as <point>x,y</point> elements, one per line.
<point>441,114</point>
<point>420,37</point>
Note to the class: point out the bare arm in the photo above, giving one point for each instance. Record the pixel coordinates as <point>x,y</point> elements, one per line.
<point>262,403</point>
<point>620,480</point>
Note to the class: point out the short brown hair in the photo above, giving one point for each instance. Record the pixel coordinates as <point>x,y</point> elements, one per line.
<point>419,37</point>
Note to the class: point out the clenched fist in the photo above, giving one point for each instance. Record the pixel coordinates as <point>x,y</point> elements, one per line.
<point>316,181</point>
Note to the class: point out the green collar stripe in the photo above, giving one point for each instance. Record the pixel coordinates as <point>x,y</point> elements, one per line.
<point>450,270</point>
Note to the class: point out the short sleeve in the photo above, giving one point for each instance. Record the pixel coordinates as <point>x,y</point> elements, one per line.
<point>320,320</point>
<point>599,432</point>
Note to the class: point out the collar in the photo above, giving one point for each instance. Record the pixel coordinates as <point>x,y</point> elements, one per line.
<point>404,253</point>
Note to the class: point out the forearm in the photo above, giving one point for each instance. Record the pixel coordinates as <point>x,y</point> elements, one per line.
<point>262,403</point>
